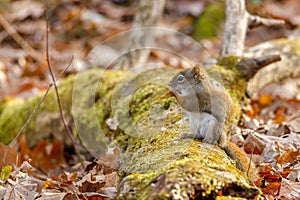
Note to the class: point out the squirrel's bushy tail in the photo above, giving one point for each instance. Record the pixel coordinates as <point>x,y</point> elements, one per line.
<point>242,160</point>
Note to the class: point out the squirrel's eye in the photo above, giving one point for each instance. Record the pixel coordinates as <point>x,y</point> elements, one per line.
<point>180,78</point>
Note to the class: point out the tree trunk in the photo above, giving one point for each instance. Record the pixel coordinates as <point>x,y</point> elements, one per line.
<point>237,22</point>
<point>148,15</point>
<point>235,28</point>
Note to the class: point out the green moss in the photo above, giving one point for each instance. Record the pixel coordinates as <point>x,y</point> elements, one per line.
<point>21,109</point>
<point>228,61</point>
<point>156,151</point>
<point>157,162</point>
<point>209,22</point>
<point>293,45</point>
<point>8,110</point>
<point>191,165</point>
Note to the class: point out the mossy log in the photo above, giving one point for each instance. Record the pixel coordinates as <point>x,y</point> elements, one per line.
<point>156,162</point>
<point>148,126</point>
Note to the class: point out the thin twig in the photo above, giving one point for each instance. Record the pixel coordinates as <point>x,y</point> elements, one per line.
<point>51,84</point>
<point>12,143</point>
<point>250,161</point>
<point>30,116</point>
<point>62,115</point>
<point>18,38</point>
<point>255,21</point>
<point>68,66</point>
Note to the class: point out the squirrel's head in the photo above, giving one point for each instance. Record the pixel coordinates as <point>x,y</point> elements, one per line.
<point>189,83</point>
<point>188,79</point>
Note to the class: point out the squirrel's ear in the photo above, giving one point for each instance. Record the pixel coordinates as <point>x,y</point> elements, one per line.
<point>198,71</point>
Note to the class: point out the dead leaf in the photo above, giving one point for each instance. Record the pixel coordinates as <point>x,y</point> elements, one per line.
<point>288,10</point>
<point>45,155</point>
<point>91,183</point>
<point>289,189</point>
<point>265,99</point>
<point>19,191</point>
<point>19,10</point>
<point>254,142</point>
<point>272,188</point>
<point>292,141</point>
<point>8,156</point>
<point>52,196</point>
<point>294,122</point>
<point>280,115</point>
<point>290,156</point>
<point>294,174</point>
<point>110,192</point>
<point>111,180</point>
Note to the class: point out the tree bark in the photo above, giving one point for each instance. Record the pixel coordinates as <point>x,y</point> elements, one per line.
<point>148,15</point>
<point>276,72</point>
<point>235,28</point>
<point>237,22</point>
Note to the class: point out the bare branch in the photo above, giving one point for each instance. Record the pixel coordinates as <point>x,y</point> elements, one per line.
<point>12,143</point>
<point>255,21</point>
<point>276,72</point>
<point>250,66</point>
<point>235,28</point>
<point>18,38</point>
<point>51,84</point>
<point>237,22</point>
<point>68,66</point>
<point>147,15</point>
<point>54,81</point>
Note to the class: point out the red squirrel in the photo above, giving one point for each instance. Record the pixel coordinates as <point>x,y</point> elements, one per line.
<point>210,113</point>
